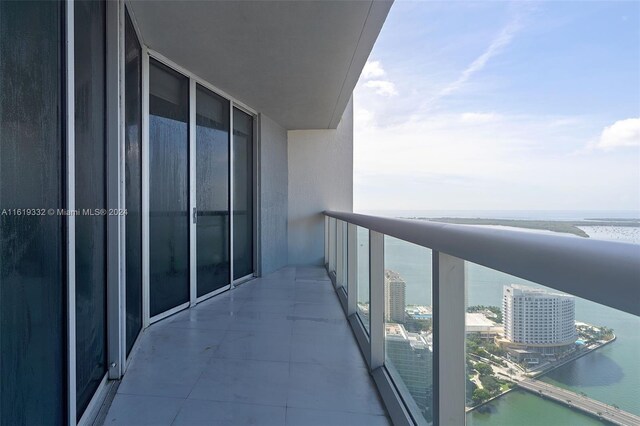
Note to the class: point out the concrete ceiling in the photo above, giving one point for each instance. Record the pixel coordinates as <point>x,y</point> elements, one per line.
<point>295,61</point>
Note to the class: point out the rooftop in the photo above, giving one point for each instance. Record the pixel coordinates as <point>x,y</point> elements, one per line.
<point>477,319</point>
<point>534,291</point>
<point>392,276</point>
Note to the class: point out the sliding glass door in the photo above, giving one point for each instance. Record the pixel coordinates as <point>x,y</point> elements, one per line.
<point>174,217</point>
<point>90,168</point>
<point>242,194</point>
<point>33,286</point>
<point>212,191</point>
<point>133,182</point>
<point>168,188</point>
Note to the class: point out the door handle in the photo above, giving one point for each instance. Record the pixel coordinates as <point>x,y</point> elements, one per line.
<point>195,215</point>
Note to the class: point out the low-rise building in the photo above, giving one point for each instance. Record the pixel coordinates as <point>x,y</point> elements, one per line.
<point>478,324</point>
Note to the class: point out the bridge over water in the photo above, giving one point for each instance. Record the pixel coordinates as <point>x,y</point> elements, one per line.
<point>585,404</point>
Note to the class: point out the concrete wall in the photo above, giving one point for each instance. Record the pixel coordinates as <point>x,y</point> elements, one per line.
<point>320,178</point>
<point>273,187</point>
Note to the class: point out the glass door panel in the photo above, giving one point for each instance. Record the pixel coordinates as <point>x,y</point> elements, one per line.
<point>168,188</point>
<point>91,235</point>
<point>133,182</point>
<point>242,194</point>
<point>212,191</point>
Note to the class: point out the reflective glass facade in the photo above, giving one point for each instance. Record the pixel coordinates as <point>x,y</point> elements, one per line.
<point>33,308</point>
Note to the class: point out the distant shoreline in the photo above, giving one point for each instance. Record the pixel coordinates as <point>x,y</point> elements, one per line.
<point>561,226</point>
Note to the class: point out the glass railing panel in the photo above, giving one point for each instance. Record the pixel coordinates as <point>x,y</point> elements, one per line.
<point>362,288</point>
<point>344,228</point>
<point>408,316</point>
<point>522,334</point>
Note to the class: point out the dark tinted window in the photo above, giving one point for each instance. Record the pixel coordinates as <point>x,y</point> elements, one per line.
<point>133,182</point>
<point>168,187</point>
<point>32,281</point>
<point>212,171</point>
<point>243,194</point>
<point>91,325</point>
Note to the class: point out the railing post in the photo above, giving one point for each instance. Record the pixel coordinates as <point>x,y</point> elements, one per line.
<point>345,252</point>
<point>376,298</point>
<point>326,240</point>
<point>352,268</point>
<point>339,254</point>
<point>449,375</point>
<point>332,244</point>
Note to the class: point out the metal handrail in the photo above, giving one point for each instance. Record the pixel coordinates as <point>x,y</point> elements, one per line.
<point>604,272</point>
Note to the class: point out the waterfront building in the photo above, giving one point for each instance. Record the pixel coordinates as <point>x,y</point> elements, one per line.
<point>537,322</point>
<point>394,296</point>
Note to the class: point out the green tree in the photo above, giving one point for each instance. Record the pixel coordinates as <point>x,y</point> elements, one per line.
<point>484,369</point>
<point>480,395</point>
<point>490,384</point>
<point>494,349</point>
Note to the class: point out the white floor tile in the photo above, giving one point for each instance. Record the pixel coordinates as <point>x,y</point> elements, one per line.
<point>264,346</point>
<point>247,381</point>
<point>133,410</point>
<point>202,413</point>
<point>275,350</point>
<point>308,417</point>
<point>317,386</point>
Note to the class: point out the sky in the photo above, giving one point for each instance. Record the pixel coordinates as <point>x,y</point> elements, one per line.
<point>497,105</point>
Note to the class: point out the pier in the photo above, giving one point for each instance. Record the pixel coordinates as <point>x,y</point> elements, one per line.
<point>579,402</point>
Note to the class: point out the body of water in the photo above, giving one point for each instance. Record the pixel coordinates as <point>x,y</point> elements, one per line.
<point>610,374</point>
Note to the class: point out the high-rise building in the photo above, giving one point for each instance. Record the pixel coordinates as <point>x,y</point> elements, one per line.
<point>538,319</point>
<point>394,296</point>
<point>411,357</point>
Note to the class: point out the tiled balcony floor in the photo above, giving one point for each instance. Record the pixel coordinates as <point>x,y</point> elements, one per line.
<point>277,350</point>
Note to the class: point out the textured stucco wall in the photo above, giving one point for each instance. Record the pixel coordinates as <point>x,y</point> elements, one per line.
<point>273,195</point>
<point>320,178</point>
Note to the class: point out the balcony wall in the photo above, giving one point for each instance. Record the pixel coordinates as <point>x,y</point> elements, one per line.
<point>273,188</point>
<point>320,177</point>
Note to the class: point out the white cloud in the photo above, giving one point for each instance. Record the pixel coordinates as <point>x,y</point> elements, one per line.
<point>382,87</point>
<point>497,45</point>
<point>480,117</point>
<point>372,69</point>
<point>362,117</point>
<point>479,152</point>
<point>622,133</point>
<point>515,162</point>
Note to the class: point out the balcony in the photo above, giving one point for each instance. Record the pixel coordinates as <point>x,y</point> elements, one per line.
<point>275,350</point>
<point>299,347</point>
<point>215,134</point>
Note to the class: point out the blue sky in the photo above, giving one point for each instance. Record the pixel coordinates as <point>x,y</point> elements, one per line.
<point>501,105</point>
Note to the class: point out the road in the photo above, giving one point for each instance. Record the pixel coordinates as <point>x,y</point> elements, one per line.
<point>583,403</point>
